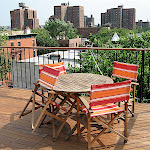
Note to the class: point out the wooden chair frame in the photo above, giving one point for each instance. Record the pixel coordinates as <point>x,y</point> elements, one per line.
<point>39,105</point>
<point>54,115</point>
<point>100,121</point>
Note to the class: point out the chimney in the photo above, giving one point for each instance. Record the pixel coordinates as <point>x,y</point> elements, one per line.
<point>27,30</point>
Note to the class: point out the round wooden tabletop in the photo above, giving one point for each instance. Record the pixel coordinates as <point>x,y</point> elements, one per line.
<point>79,82</point>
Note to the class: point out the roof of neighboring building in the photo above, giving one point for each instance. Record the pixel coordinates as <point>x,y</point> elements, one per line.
<point>115,37</point>
<point>22,36</point>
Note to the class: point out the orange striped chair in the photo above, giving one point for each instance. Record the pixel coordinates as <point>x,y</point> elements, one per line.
<point>47,80</point>
<point>127,71</point>
<point>59,66</point>
<point>102,99</point>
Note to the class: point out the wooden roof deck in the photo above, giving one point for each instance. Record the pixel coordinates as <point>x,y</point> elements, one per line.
<point>16,133</point>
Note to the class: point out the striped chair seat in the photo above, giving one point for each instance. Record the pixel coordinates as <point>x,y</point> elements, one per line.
<point>60,66</point>
<point>105,109</point>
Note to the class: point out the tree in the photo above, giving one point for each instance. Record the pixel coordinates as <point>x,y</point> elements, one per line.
<point>4,57</point>
<point>133,41</point>
<point>3,38</point>
<point>43,38</point>
<point>105,59</point>
<point>60,29</point>
<point>105,35</point>
<point>15,29</point>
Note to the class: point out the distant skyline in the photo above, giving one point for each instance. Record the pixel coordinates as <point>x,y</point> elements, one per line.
<point>45,8</point>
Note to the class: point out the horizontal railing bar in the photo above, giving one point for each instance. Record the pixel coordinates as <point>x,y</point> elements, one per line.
<point>78,48</point>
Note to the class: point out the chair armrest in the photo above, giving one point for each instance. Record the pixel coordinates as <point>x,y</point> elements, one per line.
<point>35,83</point>
<point>134,83</point>
<point>84,101</point>
<point>51,92</point>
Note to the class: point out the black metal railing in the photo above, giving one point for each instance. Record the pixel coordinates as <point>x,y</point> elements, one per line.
<point>19,65</point>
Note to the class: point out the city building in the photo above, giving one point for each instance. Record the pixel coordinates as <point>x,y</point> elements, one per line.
<point>70,42</point>
<point>88,21</point>
<point>87,30</point>
<point>74,14</point>
<point>142,24</point>
<point>23,40</point>
<point>24,17</point>
<point>119,18</point>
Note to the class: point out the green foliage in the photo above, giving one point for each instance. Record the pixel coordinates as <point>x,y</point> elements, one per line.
<point>3,38</point>
<point>4,58</point>
<point>133,41</point>
<point>105,35</point>
<point>43,38</point>
<point>105,59</point>
<point>15,29</point>
<point>5,65</point>
<point>60,29</point>
<point>140,30</point>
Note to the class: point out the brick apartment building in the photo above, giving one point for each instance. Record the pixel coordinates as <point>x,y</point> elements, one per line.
<point>119,17</point>
<point>70,42</point>
<point>24,40</point>
<point>88,21</point>
<point>74,14</point>
<point>23,18</point>
<point>142,24</point>
<point>87,30</point>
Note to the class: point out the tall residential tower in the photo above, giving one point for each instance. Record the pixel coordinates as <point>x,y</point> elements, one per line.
<point>74,14</point>
<point>119,18</point>
<point>23,18</point>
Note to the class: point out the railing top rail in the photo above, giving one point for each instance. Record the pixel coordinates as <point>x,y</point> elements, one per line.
<point>77,48</point>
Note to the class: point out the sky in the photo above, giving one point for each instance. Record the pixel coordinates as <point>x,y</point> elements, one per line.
<point>45,8</point>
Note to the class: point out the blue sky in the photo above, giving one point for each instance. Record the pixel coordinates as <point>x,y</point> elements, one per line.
<point>45,8</point>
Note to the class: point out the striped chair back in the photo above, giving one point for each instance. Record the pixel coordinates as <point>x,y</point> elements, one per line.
<point>125,70</point>
<point>60,66</point>
<point>48,77</point>
<point>110,93</point>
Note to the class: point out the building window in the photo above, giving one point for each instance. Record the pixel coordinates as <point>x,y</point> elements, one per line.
<point>13,57</point>
<point>12,43</point>
<point>33,53</point>
<point>33,42</point>
<point>61,45</point>
<point>19,43</point>
<point>19,56</point>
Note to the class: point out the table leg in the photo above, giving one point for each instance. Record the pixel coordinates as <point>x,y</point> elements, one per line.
<point>33,110</point>
<point>78,116</point>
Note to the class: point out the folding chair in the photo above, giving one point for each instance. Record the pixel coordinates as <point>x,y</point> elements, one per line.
<point>102,99</point>
<point>58,66</point>
<point>47,80</point>
<point>127,71</point>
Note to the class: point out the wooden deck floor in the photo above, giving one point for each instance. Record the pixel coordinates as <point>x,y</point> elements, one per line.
<point>16,133</point>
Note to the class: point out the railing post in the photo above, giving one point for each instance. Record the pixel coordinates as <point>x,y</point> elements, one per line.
<point>142,76</point>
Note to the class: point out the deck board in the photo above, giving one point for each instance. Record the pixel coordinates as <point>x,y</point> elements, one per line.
<point>16,133</point>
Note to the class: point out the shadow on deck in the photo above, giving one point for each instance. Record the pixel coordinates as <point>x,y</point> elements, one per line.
<point>16,133</point>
